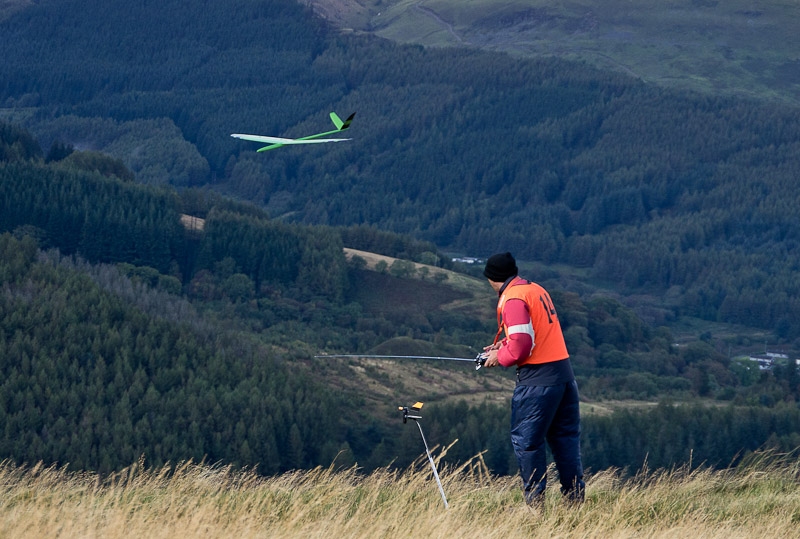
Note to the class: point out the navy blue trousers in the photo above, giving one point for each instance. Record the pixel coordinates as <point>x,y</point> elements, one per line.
<point>550,413</point>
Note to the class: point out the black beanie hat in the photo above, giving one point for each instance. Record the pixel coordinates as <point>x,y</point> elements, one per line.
<point>500,267</point>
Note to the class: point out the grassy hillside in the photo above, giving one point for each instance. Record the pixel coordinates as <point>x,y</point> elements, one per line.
<point>756,500</point>
<point>734,47</point>
<point>460,292</point>
<point>401,290</point>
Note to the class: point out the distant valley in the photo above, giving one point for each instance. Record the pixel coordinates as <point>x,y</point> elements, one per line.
<point>735,47</point>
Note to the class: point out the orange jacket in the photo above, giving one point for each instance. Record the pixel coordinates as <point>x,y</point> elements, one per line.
<point>544,327</point>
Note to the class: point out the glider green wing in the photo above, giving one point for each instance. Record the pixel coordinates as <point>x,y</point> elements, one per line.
<point>277,142</point>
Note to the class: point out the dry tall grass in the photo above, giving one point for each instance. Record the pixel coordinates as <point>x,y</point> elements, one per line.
<point>759,499</point>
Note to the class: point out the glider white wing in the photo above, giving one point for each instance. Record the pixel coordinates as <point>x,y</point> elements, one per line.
<point>278,140</point>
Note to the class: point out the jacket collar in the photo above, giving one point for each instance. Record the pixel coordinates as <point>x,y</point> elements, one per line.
<point>507,284</point>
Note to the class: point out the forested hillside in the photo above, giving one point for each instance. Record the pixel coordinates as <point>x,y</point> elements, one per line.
<point>651,189</point>
<point>124,333</point>
<point>100,369</point>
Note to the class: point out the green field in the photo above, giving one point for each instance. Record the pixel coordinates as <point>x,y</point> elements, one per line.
<point>733,47</point>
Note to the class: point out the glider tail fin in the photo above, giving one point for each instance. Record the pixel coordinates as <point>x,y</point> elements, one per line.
<point>341,125</point>
<point>347,122</point>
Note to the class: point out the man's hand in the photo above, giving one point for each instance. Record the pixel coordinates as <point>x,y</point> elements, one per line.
<point>491,357</point>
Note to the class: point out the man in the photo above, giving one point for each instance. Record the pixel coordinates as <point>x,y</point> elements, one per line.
<point>545,401</point>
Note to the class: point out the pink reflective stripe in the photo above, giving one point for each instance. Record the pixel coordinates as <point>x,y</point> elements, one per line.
<point>522,328</point>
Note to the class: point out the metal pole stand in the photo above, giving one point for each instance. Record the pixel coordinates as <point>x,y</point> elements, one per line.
<point>406,416</point>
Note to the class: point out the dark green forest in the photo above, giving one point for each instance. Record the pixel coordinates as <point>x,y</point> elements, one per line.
<point>649,189</point>
<point>122,334</point>
<point>99,370</point>
<point>92,379</point>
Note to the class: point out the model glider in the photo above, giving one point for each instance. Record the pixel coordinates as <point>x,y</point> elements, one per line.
<point>277,142</point>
